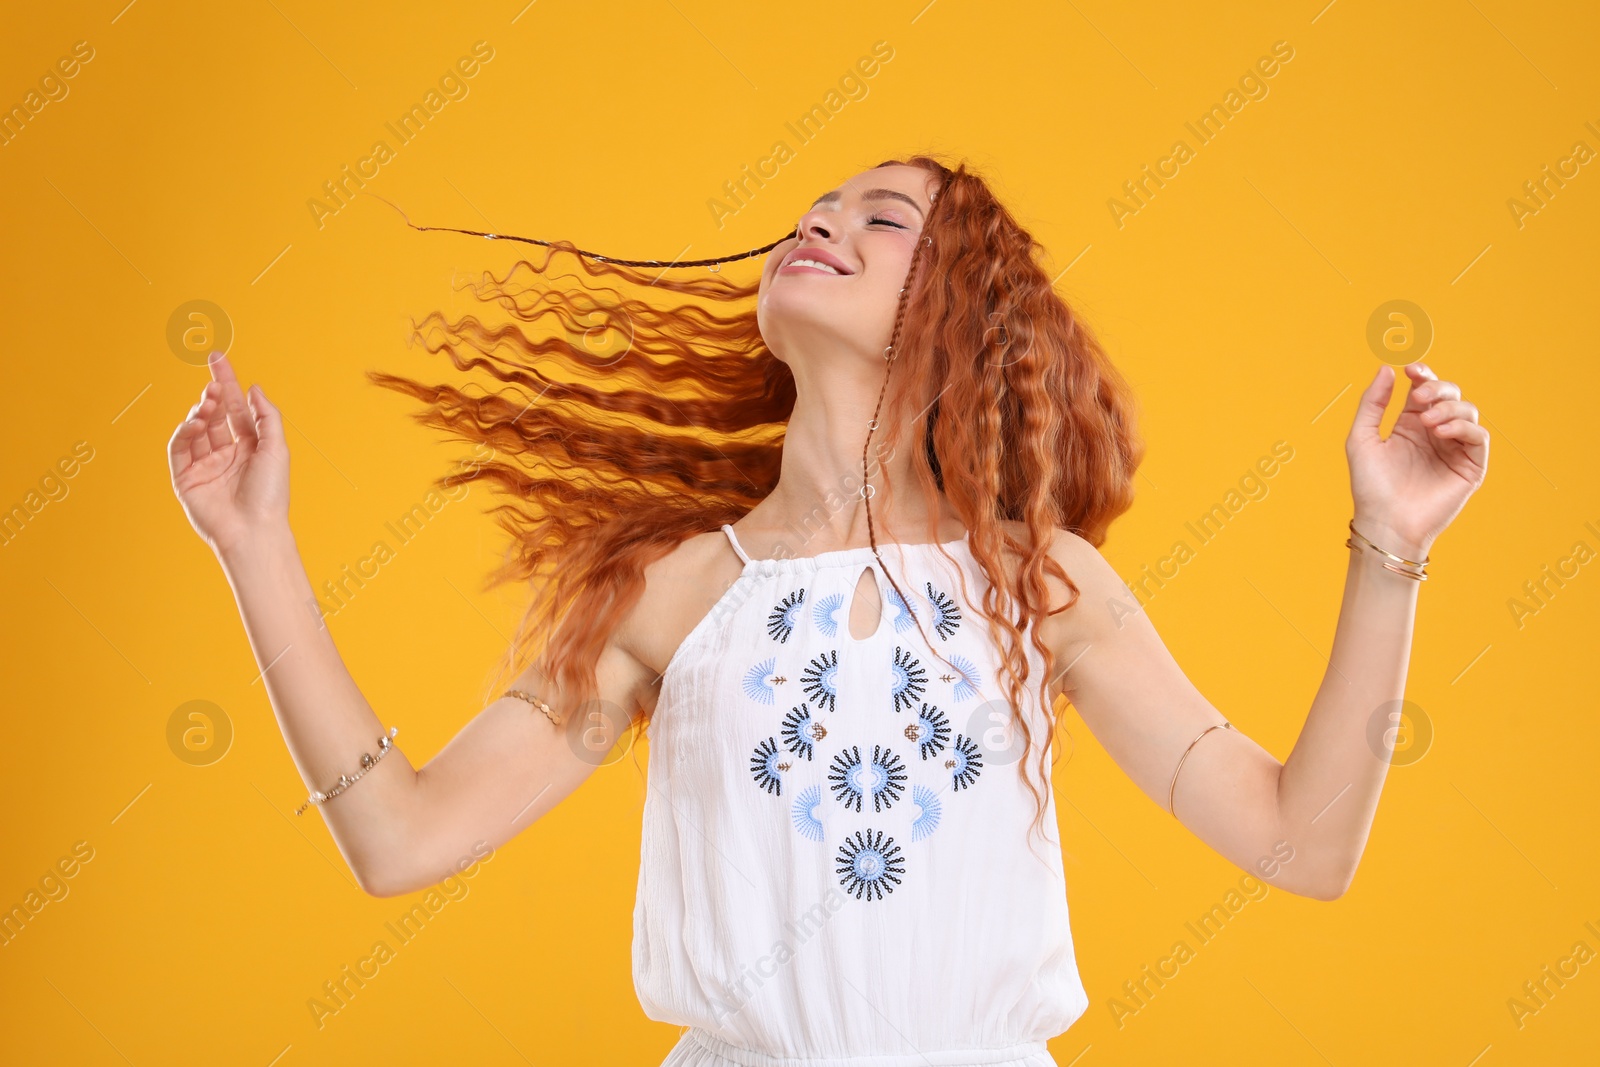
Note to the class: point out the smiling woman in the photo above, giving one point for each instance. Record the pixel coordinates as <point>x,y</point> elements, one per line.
<point>831,734</point>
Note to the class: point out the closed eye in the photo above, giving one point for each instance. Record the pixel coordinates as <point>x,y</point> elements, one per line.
<point>886,222</point>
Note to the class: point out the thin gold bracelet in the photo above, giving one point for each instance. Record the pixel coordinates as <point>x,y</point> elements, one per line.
<point>368,761</point>
<point>535,701</point>
<point>1418,575</point>
<point>1172,789</point>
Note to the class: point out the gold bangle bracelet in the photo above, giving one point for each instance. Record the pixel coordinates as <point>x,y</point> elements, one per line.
<point>536,702</point>
<point>1398,559</point>
<point>1173,788</point>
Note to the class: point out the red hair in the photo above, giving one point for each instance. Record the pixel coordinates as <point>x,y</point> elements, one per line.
<point>677,426</point>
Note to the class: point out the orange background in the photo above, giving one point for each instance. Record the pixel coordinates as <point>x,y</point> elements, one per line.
<point>1378,166</point>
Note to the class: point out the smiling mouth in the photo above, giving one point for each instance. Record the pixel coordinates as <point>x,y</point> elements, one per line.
<point>812,264</point>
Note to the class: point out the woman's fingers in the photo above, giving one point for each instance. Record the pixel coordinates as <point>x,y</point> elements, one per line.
<point>268,425</point>
<point>233,405</point>
<point>1445,411</point>
<point>216,420</point>
<point>180,447</point>
<point>199,436</point>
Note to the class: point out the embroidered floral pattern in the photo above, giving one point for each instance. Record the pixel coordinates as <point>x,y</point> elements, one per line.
<point>868,865</point>
<point>807,813</point>
<point>926,804</point>
<point>759,680</point>
<point>767,765</point>
<point>946,612</point>
<point>910,679</point>
<point>965,762</point>
<point>820,678</point>
<point>823,611</point>
<point>967,680</point>
<point>852,779</point>
<point>931,732</point>
<point>780,623</point>
<point>801,732</point>
<point>904,619</point>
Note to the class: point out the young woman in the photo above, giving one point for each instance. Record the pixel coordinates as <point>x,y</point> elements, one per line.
<point>839,552</point>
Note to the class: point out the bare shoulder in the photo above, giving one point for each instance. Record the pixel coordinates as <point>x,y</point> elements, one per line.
<point>1100,594</point>
<point>680,589</point>
<point>1082,561</point>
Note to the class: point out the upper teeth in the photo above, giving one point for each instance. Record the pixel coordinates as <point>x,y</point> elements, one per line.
<point>813,263</point>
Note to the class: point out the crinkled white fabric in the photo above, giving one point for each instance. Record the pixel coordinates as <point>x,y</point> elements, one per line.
<point>836,868</point>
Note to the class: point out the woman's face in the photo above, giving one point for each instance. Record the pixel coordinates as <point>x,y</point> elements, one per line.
<point>837,281</point>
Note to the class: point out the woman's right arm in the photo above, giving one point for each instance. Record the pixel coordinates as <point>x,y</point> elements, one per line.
<point>399,828</point>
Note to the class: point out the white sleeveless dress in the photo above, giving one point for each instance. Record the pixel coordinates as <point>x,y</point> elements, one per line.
<point>836,869</point>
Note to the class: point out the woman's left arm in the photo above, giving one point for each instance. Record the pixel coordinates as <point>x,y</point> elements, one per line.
<point>1302,824</point>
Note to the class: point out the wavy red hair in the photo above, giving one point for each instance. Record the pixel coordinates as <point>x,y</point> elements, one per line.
<point>676,426</point>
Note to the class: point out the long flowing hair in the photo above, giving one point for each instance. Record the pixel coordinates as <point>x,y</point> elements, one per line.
<point>629,421</point>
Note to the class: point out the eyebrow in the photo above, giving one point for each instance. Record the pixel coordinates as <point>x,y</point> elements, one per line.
<point>871,194</point>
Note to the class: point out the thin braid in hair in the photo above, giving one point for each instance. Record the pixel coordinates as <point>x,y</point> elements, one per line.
<point>567,245</point>
<point>868,490</point>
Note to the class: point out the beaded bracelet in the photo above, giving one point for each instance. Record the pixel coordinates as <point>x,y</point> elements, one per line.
<point>536,702</point>
<point>368,761</point>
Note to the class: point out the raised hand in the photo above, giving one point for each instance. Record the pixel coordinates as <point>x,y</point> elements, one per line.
<point>230,462</point>
<point>1409,486</point>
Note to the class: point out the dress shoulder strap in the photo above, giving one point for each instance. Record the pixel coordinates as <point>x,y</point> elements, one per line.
<point>734,541</point>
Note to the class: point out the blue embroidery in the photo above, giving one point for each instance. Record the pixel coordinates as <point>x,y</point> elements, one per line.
<point>819,679</point>
<point>928,807</point>
<point>968,680</point>
<point>822,613</point>
<point>869,865</point>
<point>767,766</point>
<point>883,778</point>
<point>931,731</point>
<point>910,680</point>
<point>946,612</point>
<point>903,618</point>
<point>965,762</point>
<point>757,683</point>
<point>780,624</point>
<point>800,731</point>
<point>807,811</point>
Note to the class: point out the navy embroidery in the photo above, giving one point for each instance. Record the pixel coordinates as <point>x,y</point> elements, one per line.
<point>869,865</point>
<point>819,679</point>
<point>965,762</point>
<point>780,623</point>
<point>758,681</point>
<point>903,618</point>
<point>822,613</point>
<point>946,612</point>
<point>767,766</point>
<point>927,806</point>
<point>801,731</point>
<point>883,778</point>
<point>968,680</point>
<point>931,732</point>
<point>807,812</point>
<point>910,680</point>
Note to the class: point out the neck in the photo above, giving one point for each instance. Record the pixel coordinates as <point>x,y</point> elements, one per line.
<point>817,505</point>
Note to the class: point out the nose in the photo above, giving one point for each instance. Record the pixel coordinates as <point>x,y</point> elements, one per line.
<point>814,223</point>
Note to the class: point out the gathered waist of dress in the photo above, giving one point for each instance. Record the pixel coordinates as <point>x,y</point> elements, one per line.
<point>701,1048</point>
